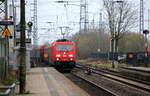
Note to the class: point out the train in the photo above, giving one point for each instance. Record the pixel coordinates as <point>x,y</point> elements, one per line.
<point>61,54</point>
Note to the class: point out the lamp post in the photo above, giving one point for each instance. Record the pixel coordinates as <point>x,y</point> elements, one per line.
<point>114,35</point>
<point>148,19</point>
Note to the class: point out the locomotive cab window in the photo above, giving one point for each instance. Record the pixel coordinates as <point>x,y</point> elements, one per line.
<point>64,47</point>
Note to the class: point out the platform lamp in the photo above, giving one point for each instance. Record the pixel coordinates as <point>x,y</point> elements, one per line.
<point>146,32</point>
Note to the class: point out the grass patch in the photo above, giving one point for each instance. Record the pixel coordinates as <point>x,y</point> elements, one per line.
<point>2,90</point>
<point>1,83</point>
<point>9,80</point>
<point>104,64</point>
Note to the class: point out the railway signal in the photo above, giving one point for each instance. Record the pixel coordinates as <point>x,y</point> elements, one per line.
<point>146,32</point>
<point>29,28</point>
<point>30,24</point>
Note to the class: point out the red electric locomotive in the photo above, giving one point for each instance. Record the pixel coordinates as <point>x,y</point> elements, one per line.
<point>60,54</point>
<point>63,54</point>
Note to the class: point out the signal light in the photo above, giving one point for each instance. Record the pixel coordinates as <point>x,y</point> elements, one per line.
<point>130,56</point>
<point>30,24</point>
<point>71,59</point>
<point>57,59</point>
<point>146,32</point>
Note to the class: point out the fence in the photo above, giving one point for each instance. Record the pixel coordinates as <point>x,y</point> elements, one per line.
<point>8,90</point>
<point>134,58</point>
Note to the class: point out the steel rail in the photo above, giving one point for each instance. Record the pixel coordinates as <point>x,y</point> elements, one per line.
<point>136,70</point>
<point>97,86</point>
<point>115,74</point>
<point>105,74</point>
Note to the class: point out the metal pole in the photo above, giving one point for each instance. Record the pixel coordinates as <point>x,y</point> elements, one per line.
<point>14,20</point>
<point>35,25</point>
<point>146,51</point>
<point>100,30</point>
<point>6,40</point>
<point>113,39</point>
<point>61,32</point>
<point>22,77</point>
<point>141,16</point>
<point>146,32</point>
<point>86,16</point>
<point>149,19</point>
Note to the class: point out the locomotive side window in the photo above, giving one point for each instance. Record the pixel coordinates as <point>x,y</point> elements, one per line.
<point>64,47</point>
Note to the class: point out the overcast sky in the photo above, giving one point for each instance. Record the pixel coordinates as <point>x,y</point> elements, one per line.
<point>52,15</point>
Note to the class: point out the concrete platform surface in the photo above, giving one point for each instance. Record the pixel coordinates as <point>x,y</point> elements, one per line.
<point>49,82</point>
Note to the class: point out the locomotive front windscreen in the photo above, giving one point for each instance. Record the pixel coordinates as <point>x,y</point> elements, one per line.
<point>64,47</point>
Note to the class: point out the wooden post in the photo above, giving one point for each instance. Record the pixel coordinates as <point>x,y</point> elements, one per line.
<point>22,67</point>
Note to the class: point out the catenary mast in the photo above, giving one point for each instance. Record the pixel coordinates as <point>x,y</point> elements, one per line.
<point>141,17</point>
<point>83,16</point>
<point>35,25</point>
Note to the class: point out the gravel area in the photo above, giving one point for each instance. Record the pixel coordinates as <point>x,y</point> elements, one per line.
<point>114,86</point>
<point>91,90</point>
<point>82,85</point>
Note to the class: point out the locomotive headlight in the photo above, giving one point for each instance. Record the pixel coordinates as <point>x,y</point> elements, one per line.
<point>58,55</point>
<point>57,59</point>
<point>71,55</point>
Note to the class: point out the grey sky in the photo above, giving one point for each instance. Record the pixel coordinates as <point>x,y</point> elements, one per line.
<point>49,11</point>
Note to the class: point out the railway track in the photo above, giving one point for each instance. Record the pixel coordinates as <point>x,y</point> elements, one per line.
<point>104,91</point>
<point>137,84</point>
<point>115,73</point>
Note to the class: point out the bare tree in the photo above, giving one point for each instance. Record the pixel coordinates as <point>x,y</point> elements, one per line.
<point>89,43</point>
<point>121,17</point>
<point>132,42</point>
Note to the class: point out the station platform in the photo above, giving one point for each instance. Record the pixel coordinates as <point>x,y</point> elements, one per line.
<point>49,82</point>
